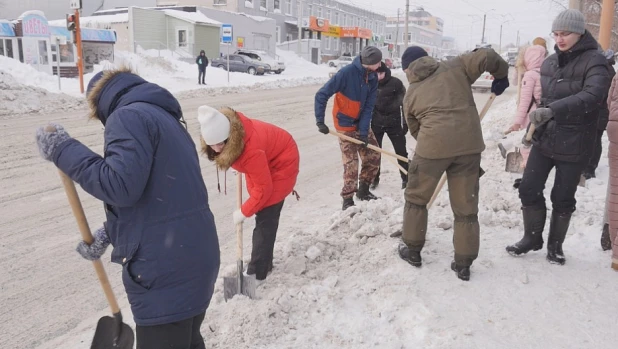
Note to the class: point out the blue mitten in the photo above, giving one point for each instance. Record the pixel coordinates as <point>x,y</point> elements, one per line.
<point>97,248</point>
<point>48,142</point>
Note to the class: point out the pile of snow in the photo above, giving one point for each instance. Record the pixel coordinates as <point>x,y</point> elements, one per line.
<point>160,67</point>
<point>24,89</point>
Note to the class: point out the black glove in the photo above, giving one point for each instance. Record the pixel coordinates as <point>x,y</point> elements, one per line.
<point>499,85</point>
<point>365,140</point>
<point>323,128</point>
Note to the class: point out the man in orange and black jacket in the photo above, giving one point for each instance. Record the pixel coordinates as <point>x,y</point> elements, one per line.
<point>355,88</point>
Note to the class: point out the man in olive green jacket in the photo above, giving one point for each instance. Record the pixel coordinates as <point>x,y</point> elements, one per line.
<point>442,116</point>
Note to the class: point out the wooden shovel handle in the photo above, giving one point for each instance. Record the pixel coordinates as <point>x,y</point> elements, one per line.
<point>443,179</point>
<point>82,223</point>
<point>239,225</point>
<point>531,130</point>
<point>370,146</point>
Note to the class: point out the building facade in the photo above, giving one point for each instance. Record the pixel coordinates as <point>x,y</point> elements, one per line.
<point>424,30</point>
<point>339,27</point>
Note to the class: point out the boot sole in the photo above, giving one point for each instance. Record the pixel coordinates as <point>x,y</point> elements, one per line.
<point>514,253</point>
<point>556,262</point>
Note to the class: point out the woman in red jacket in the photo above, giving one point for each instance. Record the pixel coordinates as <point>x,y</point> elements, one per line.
<point>269,158</point>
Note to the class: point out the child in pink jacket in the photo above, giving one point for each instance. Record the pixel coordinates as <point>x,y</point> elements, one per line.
<point>612,198</point>
<point>530,95</point>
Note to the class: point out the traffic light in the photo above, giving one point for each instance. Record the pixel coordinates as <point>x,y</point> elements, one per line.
<point>71,22</point>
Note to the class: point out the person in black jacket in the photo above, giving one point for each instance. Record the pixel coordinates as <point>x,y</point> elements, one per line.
<point>202,63</point>
<point>589,171</point>
<point>574,82</point>
<point>388,118</point>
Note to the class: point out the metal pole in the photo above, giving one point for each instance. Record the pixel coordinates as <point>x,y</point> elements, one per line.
<point>80,60</point>
<point>228,63</point>
<point>607,19</point>
<point>500,39</point>
<point>300,25</point>
<point>396,48</point>
<point>58,60</point>
<point>483,36</point>
<point>407,31</point>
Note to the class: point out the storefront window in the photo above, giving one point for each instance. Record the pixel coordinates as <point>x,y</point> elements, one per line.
<point>9,48</point>
<point>66,53</point>
<point>1,47</point>
<point>43,56</point>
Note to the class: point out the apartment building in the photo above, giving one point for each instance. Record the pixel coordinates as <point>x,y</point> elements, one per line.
<point>341,28</point>
<point>424,30</point>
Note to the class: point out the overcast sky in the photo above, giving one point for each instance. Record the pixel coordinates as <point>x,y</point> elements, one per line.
<point>463,19</point>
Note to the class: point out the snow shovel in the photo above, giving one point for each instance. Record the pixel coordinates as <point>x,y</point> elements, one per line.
<point>370,146</point>
<point>111,332</point>
<point>239,284</point>
<point>515,159</point>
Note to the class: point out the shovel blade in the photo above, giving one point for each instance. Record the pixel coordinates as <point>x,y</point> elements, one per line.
<point>231,287</point>
<point>107,331</point>
<point>513,162</point>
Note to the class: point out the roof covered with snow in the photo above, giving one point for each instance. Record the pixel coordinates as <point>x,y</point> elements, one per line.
<point>192,17</point>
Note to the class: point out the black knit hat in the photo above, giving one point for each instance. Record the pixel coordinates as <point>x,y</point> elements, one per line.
<point>411,54</point>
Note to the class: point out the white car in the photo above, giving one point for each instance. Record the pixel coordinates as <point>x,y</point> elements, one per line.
<point>341,61</point>
<point>272,65</point>
<point>484,82</point>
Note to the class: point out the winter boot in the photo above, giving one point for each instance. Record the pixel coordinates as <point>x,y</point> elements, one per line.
<point>363,192</point>
<point>606,243</point>
<point>347,203</point>
<point>463,272</point>
<point>534,222</point>
<point>412,257</point>
<point>375,183</point>
<point>558,227</point>
<point>251,270</point>
<point>588,174</point>
<point>615,264</point>
<point>517,183</point>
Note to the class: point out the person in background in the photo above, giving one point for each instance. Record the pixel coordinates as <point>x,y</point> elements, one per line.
<point>530,95</point>
<point>159,221</point>
<point>355,87</point>
<point>202,63</point>
<point>269,158</point>
<point>388,118</point>
<point>590,170</point>
<point>609,240</point>
<point>574,83</point>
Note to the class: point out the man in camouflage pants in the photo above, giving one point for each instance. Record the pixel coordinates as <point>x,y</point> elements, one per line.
<point>355,88</point>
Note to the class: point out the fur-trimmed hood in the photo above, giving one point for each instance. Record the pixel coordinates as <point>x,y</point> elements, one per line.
<point>234,145</point>
<point>121,87</point>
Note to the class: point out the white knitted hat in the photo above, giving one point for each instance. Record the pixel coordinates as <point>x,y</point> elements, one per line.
<point>214,126</point>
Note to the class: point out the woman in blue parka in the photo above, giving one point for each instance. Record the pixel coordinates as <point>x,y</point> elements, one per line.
<point>158,218</point>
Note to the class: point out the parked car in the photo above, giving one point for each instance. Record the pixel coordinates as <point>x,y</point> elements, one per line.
<point>240,63</point>
<point>272,65</point>
<point>389,63</point>
<point>483,83</point>
<point>342,59</point>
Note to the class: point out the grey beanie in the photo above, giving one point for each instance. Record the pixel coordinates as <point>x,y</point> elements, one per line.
<point>371,55</point>
<point>570,20</point>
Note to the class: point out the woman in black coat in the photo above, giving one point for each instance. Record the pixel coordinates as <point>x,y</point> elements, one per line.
<point>574,82</point>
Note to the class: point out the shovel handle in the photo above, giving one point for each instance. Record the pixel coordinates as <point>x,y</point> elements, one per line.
<point>443,179</point>
<point>530,132</point>
<point>80,217</point>
<point>84,229</point>
<point>370,146</point>
<point>239,225</point>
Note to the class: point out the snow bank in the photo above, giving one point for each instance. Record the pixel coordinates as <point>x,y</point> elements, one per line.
<point>160,67</point>
<point>23,89</point>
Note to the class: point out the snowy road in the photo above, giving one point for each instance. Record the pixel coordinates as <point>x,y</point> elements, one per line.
<point>50,297</point>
